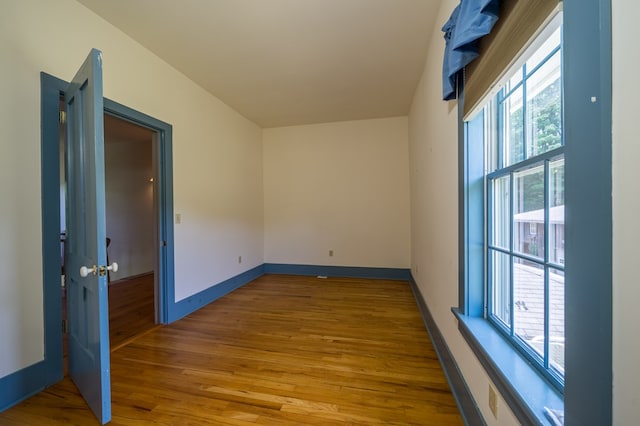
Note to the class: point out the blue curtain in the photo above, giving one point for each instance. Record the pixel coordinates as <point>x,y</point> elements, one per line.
<point>469,22</point>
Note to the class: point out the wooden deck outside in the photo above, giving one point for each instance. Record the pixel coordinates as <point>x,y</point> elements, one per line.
<point>280,350</point>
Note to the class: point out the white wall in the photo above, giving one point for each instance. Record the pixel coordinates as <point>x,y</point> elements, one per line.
<point>129,205</point>
<point>626,205</point>
<point>217,158</point>
<point>433,152</point>
<point>337,186</point>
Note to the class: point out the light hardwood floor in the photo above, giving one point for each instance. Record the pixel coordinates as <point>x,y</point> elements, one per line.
<point>280,350</point>
<point>131,309</point>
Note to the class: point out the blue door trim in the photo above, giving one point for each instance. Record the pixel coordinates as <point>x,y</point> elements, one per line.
<point>52,88</point>
<point>165,193</point>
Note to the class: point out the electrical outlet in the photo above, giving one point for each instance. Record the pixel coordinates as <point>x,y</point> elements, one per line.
<point>330,253</point>
<point>493,401</point>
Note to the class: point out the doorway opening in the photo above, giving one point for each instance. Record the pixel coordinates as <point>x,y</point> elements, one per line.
<point>132,234</point>
<point>53,190</point>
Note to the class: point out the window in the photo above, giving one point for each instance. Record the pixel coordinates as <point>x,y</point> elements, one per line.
<point>524,208</point>
<point>579,383</point>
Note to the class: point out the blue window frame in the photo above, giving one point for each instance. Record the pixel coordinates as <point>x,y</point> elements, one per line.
<point>586,396</point>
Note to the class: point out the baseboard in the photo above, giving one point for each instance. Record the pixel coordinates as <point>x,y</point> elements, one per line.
<point>193,303</point>
<point>466,404</point>
<point>338,271</point>
<point>18,386</point>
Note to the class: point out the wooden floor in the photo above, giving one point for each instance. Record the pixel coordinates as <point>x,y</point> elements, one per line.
<point>131,309</point>
<point>280,350</point>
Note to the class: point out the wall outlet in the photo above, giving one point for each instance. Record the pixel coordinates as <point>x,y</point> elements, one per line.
<point>330,253</point>
<point>493,401</point>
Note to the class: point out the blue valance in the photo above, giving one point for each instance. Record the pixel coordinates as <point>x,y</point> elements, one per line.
<point>469,22</point>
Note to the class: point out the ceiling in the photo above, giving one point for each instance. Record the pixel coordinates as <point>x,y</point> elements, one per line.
<point>288,62</point>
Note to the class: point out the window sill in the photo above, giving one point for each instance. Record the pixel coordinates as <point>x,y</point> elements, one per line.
<point>524,390</point>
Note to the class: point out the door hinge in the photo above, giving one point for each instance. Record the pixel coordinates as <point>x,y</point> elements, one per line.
<point>63,117</point>
<point>164,243</point>
<point>65,326</point>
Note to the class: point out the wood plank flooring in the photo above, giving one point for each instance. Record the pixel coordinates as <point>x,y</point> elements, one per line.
<point>280,350</point>
<point>131,309</point>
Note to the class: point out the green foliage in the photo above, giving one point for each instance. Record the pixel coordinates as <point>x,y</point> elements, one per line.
<point>516,135</point>
<point>545,119</point>
<point>530,191</point>
<point>543,130</point>
<point>543,125</point>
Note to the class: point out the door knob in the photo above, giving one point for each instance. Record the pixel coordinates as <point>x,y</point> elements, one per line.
<point>113,268</point>
<point>84,271</point>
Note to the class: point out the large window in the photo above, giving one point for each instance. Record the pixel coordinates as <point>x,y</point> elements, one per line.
<point>540,141</point>
<point>524,187</point>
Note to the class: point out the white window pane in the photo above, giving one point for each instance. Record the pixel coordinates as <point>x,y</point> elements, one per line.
<point>528,303</point>
<point>545,49</point>
<point>556,320</point>
<point>491,139</point>
<point>528,200</point>
<point>514,80</point>
<point>501,287</point>
<point>513,145</point>
<point>544,108</point>
<point>500,236</point>
<point>556,212</point>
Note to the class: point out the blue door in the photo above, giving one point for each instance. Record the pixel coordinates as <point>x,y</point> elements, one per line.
<point>87,293</point>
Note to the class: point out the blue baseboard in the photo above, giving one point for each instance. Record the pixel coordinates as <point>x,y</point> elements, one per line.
<point>193,303</point>
<point>466,404</point>
<point>338,271</point>
<point>22,384</point>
